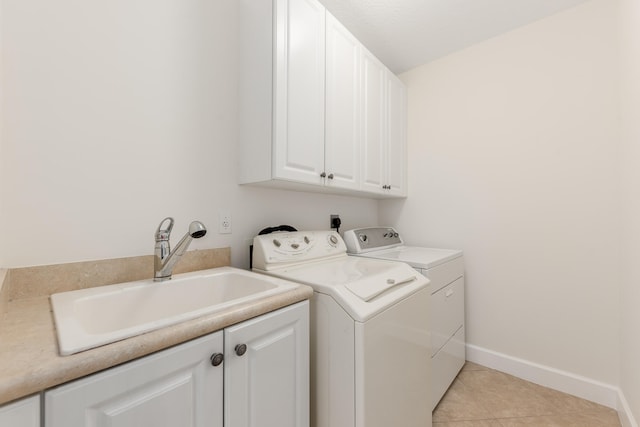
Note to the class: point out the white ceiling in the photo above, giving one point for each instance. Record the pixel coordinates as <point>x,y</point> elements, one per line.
<point>406,33</point>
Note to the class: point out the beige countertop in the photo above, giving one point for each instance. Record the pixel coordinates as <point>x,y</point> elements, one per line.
<point>29,357</point>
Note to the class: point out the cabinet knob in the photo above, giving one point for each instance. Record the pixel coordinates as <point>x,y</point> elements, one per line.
<point>323,175</point>
<point>241,349</point>
<point>216,359</point>
<point>330,176</point>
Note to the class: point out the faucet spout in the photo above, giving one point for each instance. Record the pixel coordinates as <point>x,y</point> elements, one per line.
<point>164,258</point>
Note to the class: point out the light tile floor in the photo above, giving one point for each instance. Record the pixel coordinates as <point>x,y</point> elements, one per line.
<point>483,397</point>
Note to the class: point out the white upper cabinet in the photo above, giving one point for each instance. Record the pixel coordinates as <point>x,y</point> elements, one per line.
<point>281,91</point>
<point>314,104</point>
<point>299,90</point>
<point>384,127</point>
<point>342,106</point>
<point>374,124</point>
<point>396,151</point>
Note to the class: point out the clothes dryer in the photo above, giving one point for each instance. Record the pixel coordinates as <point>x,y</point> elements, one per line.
<point>445,269</point>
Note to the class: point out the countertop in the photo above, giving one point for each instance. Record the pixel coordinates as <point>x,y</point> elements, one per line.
<point>29,358</point>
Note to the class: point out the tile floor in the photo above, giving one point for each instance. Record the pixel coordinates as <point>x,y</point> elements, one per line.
<point>483,397</point>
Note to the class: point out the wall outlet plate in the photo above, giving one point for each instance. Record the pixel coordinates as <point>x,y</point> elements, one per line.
<point>224,222</point>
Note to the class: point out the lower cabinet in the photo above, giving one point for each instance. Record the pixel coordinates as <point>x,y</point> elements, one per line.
<point>266,381</point>
<point>254,374</point>
<point>21,413</point>
<point>174,387</point>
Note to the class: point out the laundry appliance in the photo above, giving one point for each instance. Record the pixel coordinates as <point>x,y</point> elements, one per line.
<point>369,330</point>
<point>445,269</point>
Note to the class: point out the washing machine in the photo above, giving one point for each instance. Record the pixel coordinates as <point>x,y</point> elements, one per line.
<point>369,330</point>
<point>445,269</point>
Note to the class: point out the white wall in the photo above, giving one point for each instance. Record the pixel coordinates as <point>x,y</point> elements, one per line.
<point>630,331</point>
<point>513,158</point>
<point>116,114</point>
<point>119,113</point>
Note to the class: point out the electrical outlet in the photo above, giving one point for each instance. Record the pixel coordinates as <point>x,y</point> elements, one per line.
<point>335,221</point>
<point>224,222</point>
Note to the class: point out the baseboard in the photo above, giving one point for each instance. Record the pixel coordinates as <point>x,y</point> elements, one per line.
<point>624,412</point>
<point>556,379</point>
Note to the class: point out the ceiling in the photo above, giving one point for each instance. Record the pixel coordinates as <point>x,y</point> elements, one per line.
<point>406,33</point>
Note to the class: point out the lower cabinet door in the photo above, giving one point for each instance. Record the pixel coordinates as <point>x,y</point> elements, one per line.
<point>174,387</point>
<point>21,413</point>
<point>267,370</point>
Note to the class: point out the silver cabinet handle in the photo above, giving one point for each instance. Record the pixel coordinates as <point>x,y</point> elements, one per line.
<point>241,349</point>
<point>330,176</point>
<point>216,359</point>
<point>323,175</point>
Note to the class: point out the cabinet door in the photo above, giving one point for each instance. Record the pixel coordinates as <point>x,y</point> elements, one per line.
<point>342,138</point>
<point>373,124</point>
<point>299,91</point>
<point>397,136</point>
<point>175,387</point>
<point>22,413</point>
<point>268,385</point>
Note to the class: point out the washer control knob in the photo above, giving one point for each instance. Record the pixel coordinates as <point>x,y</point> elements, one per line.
<point>295,245</point>
<point>363,238</point>
<point>277,243</point>
<point>395,234</point>
<point>216,359</point>
<point>333,240</point>
<point>241,349</point>
<point>306,240</point>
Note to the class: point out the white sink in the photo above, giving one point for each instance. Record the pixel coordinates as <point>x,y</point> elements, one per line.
<point>92,317</point>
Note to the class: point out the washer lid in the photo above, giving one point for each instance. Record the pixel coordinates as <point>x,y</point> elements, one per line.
<point>367,290</point>
<point>362,286</point>
<point>415,256</point>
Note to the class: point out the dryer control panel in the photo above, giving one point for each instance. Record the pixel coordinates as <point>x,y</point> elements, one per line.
<point>367,239</point>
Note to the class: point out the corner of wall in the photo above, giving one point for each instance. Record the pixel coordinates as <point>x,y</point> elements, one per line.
<point>624,412</point>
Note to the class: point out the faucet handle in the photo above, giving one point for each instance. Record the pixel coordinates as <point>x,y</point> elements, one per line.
<point>162,234</point>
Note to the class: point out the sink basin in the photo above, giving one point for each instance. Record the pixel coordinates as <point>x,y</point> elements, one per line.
<point>92,317</point>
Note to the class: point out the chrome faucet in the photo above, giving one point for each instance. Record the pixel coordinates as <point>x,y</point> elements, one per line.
<point>164,259</point>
